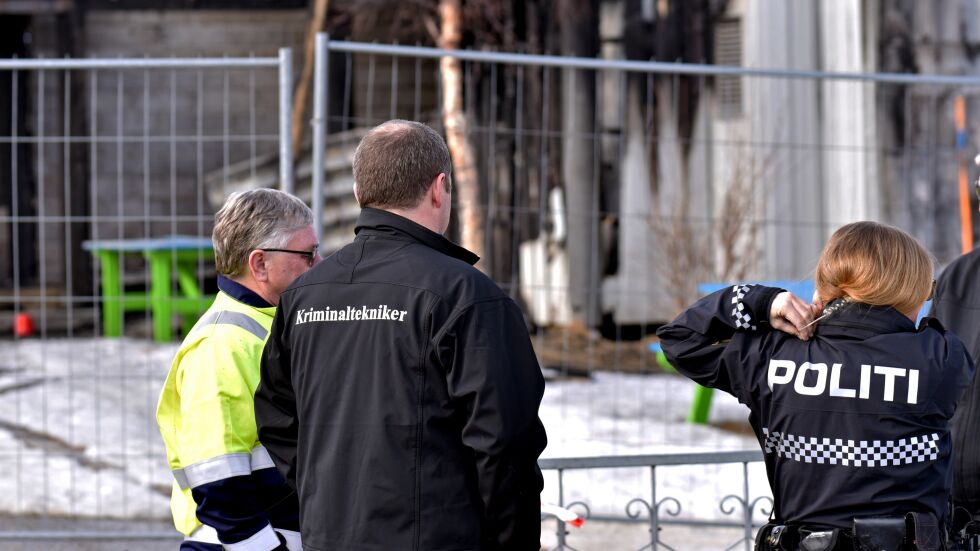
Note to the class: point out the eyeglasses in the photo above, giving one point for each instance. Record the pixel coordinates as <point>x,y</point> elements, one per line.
<point>311,256</point>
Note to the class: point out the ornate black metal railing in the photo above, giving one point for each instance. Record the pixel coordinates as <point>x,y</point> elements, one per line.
<point>658,511</point>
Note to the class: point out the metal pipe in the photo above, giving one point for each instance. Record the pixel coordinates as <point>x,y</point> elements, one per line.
<point>491,57</point>
<point>137,63</point>
<point>654,511</point>
<point>319,124</point>
<point>93,535</point>
<point>561,532</point>
<point>286,182</point>
<point>669,521</point>
<point>710,458</point>
<point>748,507</point>
<point>643,66</point>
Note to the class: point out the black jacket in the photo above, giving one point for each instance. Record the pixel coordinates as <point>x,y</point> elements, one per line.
<point>853,422</point>
<point>400,396</point>
<point>957,306</point>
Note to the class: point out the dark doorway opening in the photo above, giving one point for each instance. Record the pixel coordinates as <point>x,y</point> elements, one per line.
<point>18,188</point>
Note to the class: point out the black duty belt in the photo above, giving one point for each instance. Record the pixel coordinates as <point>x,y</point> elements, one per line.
<point>913,532</point>
<point>965,533</point>
<point>780,537</point>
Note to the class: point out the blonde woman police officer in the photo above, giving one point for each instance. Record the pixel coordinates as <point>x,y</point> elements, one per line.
<point>852,412</point>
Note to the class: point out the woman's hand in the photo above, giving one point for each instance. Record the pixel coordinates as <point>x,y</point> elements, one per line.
<point>791,314</point>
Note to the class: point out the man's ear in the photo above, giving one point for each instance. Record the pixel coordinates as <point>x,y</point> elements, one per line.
<point>436,196</point>
<point>357,196</point>
<point>257,265</point>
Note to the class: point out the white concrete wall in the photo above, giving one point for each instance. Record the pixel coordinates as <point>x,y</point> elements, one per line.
<point>807,146</point>
<point>632,294</point>
<point>849,194</point>
<point>783,122</point>
<point>649,202</point>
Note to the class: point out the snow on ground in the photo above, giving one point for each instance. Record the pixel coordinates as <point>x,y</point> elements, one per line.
<point>77,429</point>
<point>78,436</point>
<point>624,414</point>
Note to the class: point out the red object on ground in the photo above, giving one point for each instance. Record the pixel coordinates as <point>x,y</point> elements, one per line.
<point>23,325</point>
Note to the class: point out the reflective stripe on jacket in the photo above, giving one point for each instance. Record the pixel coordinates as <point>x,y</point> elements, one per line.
<point>853,422</point>
<point>222,475</point>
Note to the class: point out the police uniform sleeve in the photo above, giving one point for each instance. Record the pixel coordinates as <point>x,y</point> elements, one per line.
<point>275,401</point>
<point>217,437</point>
<point>494,378</point>
<point>706,342</point>
<point>958,373</point>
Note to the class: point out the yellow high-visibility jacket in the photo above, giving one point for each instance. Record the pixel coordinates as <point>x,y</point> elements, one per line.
<point>207,420</point>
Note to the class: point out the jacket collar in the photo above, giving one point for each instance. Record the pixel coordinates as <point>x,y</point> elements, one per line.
<point>381,222</point>
<point>241,293</point>
<point>860,321</point>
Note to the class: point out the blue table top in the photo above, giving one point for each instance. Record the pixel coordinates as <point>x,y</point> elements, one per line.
<point>801,288</point>
<point>165,243</point>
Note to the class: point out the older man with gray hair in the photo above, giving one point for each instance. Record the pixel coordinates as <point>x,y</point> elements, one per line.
<point>227,493</point>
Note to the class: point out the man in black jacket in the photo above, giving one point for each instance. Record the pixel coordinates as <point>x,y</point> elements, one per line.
<point>399,389</point>
<point>957,305</point>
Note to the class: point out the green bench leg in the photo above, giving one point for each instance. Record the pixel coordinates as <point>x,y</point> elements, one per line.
<point>188,285</point>
<point>112,304</point>
<point>701,406</point>
<point>160,297</point>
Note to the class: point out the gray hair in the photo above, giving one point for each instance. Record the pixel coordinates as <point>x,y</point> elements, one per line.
<point>255,219</point>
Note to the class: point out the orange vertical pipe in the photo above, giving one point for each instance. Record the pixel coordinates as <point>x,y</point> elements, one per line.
<point>966,213</point>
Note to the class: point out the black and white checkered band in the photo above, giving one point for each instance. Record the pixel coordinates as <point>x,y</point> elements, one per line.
<point>742,318</point>
<point>863,453</point>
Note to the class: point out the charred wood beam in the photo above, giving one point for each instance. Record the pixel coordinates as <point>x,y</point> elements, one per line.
<point>195,4</point>
<point>36,7</point>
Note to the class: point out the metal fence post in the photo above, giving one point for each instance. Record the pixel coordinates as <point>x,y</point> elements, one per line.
<point>319,124</point>
<point>286,182</point>
<point>561,503</point>
<point>748,507</point>
<point>113,124</point>
<point>654,510</point>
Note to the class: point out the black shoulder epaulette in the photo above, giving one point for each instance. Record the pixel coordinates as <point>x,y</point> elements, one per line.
<point>931,322</point>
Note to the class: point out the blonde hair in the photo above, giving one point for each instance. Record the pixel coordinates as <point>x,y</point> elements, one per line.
<point>257,219</point>
<point>875,264</point>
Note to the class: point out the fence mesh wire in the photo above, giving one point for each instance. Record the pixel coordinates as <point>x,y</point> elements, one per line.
<point>93,156</point>
<point>604,197</point>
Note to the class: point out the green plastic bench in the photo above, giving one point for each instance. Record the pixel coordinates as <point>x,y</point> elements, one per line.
<point>165,256</point>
